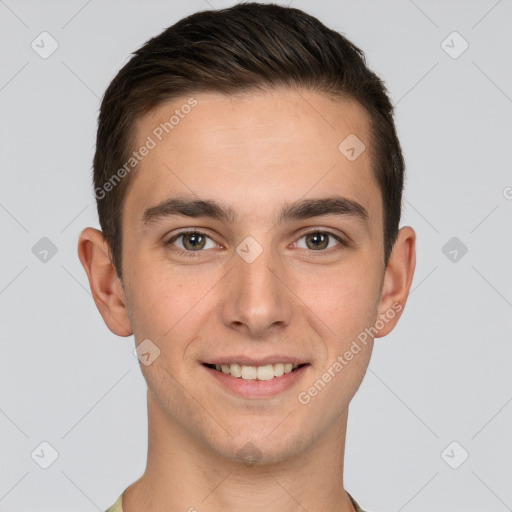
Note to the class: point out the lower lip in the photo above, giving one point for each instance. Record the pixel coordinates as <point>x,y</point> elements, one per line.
<point>258,388</point>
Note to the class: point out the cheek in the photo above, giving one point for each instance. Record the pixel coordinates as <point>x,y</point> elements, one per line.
<point>163,297</point>
<point>345,298</point>
<point>168,309</point>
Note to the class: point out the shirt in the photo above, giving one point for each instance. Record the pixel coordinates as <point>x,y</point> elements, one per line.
<point>117,507</point>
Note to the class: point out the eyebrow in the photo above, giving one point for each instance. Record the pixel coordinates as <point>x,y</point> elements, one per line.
<point>301,209</point>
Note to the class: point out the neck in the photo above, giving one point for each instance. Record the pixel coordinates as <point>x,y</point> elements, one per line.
<point>182,474</point>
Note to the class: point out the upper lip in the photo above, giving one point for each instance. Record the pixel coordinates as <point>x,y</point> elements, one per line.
<point>252,361</point>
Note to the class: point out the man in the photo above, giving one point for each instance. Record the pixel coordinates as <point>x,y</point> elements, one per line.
<point>248,180</point>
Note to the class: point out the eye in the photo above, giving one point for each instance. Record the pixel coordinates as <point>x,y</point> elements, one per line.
<point>192,241</point>
<point>187,243</point>
<point>320,240</point>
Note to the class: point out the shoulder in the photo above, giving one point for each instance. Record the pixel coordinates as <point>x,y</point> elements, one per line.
<point>354,502</point>
<point>117,506</point>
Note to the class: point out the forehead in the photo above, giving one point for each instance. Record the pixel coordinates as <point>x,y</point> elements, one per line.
<point>253,151</point>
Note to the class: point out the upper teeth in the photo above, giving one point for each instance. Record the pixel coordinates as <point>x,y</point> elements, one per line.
<point>267,372</point>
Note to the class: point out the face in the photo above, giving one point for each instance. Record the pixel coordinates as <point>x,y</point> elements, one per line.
<point>250,240</point>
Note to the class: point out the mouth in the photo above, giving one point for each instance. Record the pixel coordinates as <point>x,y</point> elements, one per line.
<point>254,372</point>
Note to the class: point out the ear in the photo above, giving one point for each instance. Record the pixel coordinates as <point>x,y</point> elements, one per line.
<point>106,287</point>
<point>397,280</point>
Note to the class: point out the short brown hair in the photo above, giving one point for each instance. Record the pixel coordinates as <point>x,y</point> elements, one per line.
<point>244,47</point>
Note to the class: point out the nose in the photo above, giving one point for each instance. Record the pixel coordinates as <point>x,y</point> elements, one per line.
<point>257,299</point>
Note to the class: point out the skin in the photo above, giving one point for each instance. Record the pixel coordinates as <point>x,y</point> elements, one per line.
<point>253,152</point>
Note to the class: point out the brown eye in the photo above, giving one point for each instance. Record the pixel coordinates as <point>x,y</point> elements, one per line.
<point>317,240</point>
<point>191,241</point>
<point>320,240</point>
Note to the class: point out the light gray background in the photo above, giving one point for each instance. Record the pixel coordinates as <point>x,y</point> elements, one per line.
<point>443,375</point>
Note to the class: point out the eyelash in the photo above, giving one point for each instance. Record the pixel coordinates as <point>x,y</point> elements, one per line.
<point>180,252</point>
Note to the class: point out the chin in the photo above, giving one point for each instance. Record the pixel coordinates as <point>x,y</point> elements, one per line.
<point>260,449</point>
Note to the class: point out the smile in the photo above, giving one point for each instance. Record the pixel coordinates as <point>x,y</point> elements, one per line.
<point>265,372</point>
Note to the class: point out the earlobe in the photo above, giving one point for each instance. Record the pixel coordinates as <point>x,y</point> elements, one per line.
<point>107,290</point>
<point>397,280</point>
